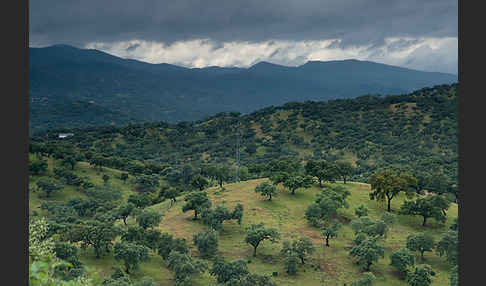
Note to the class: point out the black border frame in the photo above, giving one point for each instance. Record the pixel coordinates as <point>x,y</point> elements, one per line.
<point>15,140</point>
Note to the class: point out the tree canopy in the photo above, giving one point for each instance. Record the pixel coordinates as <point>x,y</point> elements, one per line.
<point>266,189</point>
<point>386,185</point>
<point>257,233</point>
<point>420,242</point>
<point>131,254</point>
<point>196,201</point>
<point>432,206</point>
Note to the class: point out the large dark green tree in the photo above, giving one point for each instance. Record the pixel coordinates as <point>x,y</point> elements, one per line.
<point>124,211</point>
<point>257,233</point>
<point>421,275</point>
<point>294,182</point>
<point>402,259</point>
<point>134,234</point>
<point>184,267</point>
<point>366,280</point>
<point>70,160</point>
<point>301,248</point>
<point>131,254</point>
<point>428,207</point>
<point>327,204</point>
<point>370,227</point>
<point>172,193</point>
<point>149,218</point>
<point>97,160</point>
<point>330,230</point>
<point>344,169</point>
<point>206,243</point>
<point>69,253</point>
<point>266,189</point>
<point>214,218</point>
<point>448,246</point>
<point>252,279</point>
<point>228,271</point>
<point>196,201</point>
<point>421,242</point>
<point>199,182</point>
<point>439,183</point>
<point>291,261</point>
<point>48,185</point>
<point>361,211</point>
<point>147,182</point>
<point>37,165</point>
<point>222,174</point>
<point>322,170</point>
<point>140,200</point>
<point>167,244</point>
<point>367,252</point>
<point>100,235</point>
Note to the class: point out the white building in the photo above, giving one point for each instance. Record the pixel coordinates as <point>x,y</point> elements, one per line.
<point>64,135</point>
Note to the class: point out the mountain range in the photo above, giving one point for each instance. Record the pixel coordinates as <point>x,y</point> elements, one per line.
<point>72,87</point>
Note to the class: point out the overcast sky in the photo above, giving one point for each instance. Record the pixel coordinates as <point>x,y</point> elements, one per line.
<point>196,33</point>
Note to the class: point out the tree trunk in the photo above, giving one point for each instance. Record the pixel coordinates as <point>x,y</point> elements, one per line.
<point>425,220</point>
<point>125,221</point>
<point>344,179</point>
<point>270,197</point>
<point>97,252</point>
<point>327,241</point>
<point>254,251</point>
<point>292,192</point>
<point>368,266</point>
<point>302,260</point>
<point>195,215</point>
<point>320,183</point>
<point>389,205</point>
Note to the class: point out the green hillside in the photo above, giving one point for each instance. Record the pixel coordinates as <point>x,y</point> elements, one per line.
<point>326,266</point>
<point>122,199</point>
<point>416,130</point>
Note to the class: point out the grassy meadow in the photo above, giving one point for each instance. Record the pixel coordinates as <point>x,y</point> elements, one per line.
<point>327,265</point>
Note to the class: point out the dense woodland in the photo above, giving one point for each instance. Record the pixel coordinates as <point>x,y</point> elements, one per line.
<point>417,130</point>
<point>117,191</point>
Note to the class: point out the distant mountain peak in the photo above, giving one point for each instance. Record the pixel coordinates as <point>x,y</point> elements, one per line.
<point>63,74</point>
<point>64,46</point>
<point>265,64</point>
<point>331,61</point>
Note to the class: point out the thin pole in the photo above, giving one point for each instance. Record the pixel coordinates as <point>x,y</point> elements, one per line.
<point>238,135</point>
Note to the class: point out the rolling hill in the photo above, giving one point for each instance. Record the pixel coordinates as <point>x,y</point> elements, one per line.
<point>83,202</point>
<point>326,266</point>
<point>417,130</point>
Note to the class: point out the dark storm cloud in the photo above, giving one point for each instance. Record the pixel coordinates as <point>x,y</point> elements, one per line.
<point>355,22</point>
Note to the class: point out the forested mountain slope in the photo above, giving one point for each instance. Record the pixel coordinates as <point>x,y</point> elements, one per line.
<point>134,91</point>
<point>416,130</point>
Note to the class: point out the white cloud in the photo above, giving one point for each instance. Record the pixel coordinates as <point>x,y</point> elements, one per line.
<point>428,54</point>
